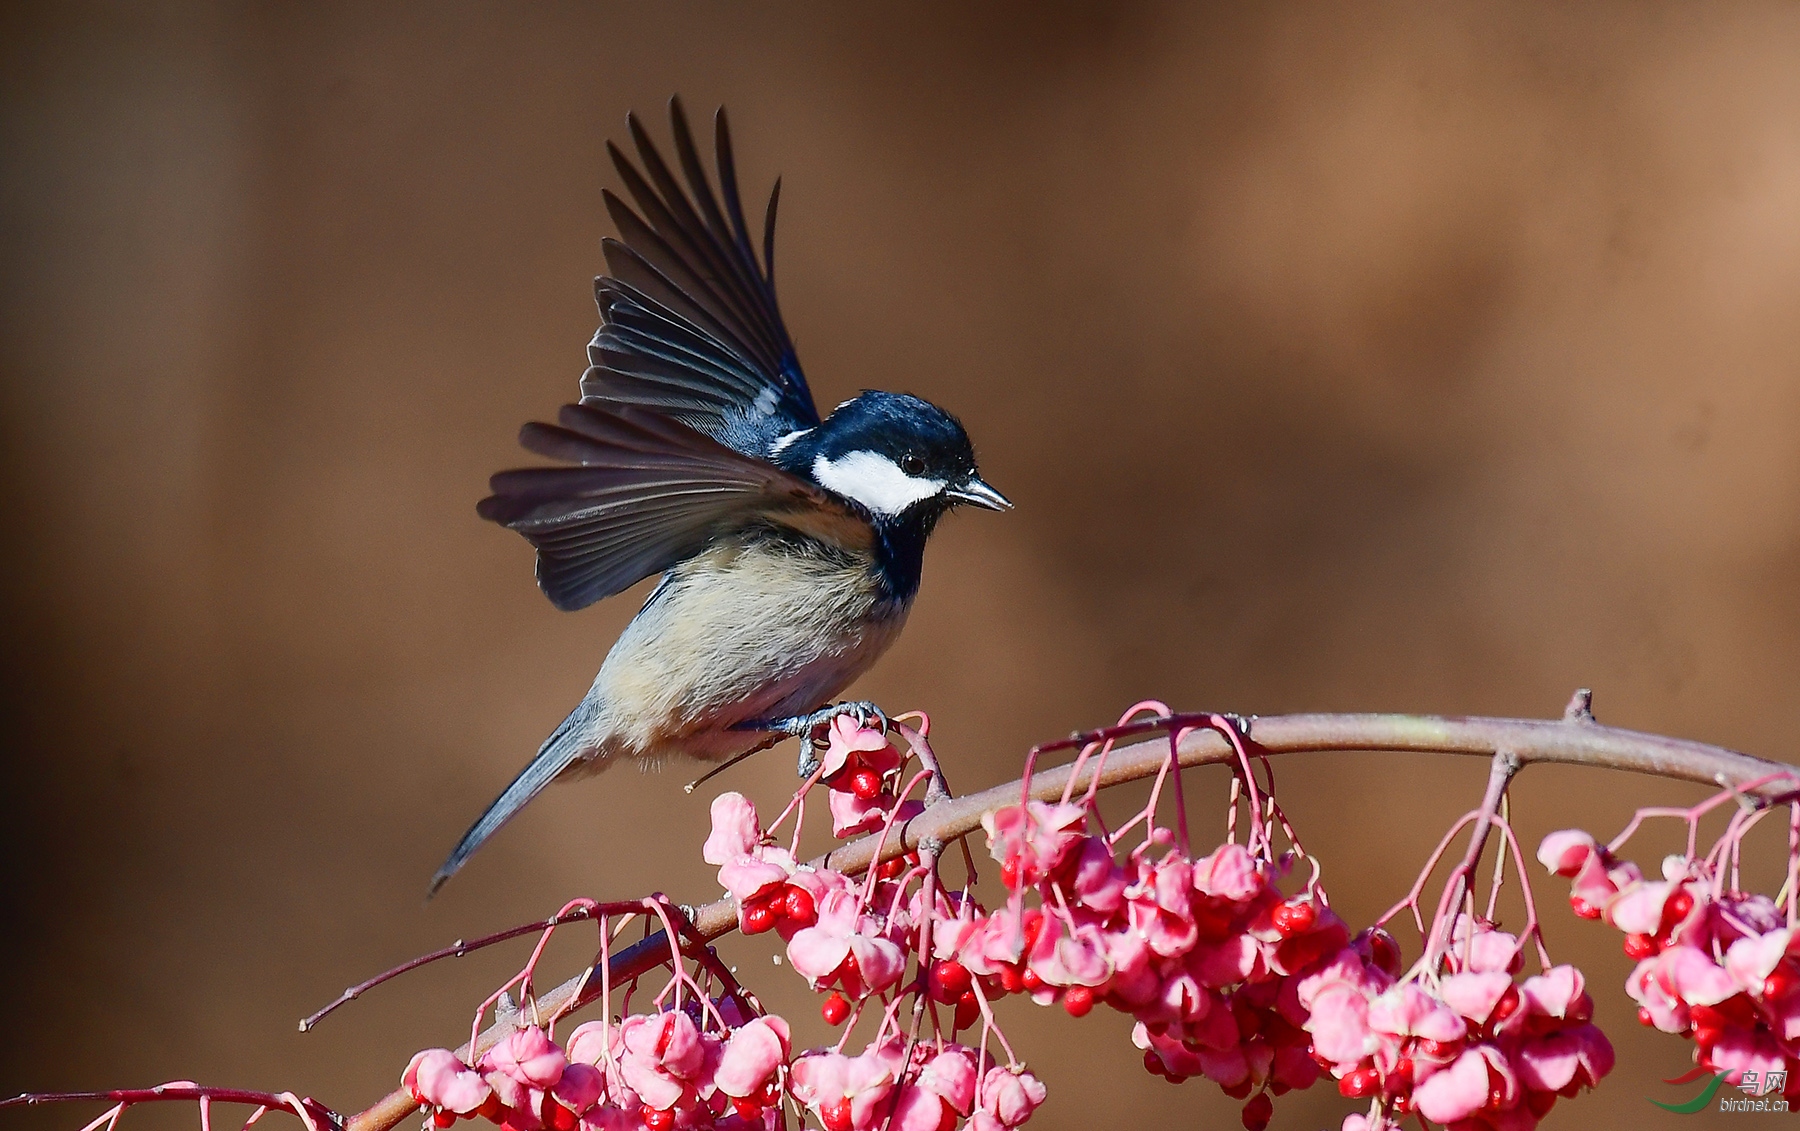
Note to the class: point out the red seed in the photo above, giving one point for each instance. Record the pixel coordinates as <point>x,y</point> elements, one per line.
<point>1295,917</point>
<point>1360,1084</point>
<point>798,907</point>
<point>561,1118</point>
<point>658,1118</point>
<point>836,1115</point>
<point>770,1095</point>
<point>866,784</point>
<point>759,916</point>
<point>1034,927</point>
<point>443,1118</point>
<point>1583,908</point>
<point>1009,873</point>
<point>1012,979</point>
<point>1778,984</point>
<point>747,1109</point>
<point>1078,1001</point>
<point>835,1009</point>
<point>1675,910</point>
<point>968,1010</point>
<point>948,981</point>
<point>1507,1005</point>
<point>1384,951</point>
<point>1240,1089</point>
<point>892,869</point>
<point>1644,1017</point>
<point>1258,1112</point>
<point>1030,980</point>
<point>1639,946</point>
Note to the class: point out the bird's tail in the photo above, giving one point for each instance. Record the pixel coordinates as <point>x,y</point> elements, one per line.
<point>557,754</point>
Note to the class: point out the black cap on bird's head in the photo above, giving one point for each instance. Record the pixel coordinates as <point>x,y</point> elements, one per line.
<point>901,458</point>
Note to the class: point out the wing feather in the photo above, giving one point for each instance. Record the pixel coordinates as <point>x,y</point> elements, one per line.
<point>640,492</point>
<point>690,326</point>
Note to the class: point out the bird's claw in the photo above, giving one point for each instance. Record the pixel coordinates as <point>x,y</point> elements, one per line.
<point>812,729</point>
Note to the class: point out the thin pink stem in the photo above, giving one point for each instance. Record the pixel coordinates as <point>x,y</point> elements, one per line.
<point>1431,863</point>
<point>1161,712</point>
<point>798,799</point>
<point>887,827</point>
<point>459,948</point>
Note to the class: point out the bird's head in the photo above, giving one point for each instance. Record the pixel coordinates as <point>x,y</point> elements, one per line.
<point>904,460</point>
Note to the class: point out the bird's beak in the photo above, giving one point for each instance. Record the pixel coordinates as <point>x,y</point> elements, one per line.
<point>975,491</point>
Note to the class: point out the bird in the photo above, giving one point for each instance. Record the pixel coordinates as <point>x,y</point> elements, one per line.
<point>790,545</point>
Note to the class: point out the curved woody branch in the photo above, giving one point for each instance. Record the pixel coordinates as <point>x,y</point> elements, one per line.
<point>1575,740</point>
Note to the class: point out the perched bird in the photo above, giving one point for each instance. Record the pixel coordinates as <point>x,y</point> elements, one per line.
<point>790,546</point>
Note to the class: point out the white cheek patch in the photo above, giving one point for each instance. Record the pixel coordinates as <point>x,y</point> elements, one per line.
<point>875,481</point>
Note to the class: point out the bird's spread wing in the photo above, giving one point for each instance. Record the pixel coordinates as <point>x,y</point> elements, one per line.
<point>689,325</point>
<point>645,493</point>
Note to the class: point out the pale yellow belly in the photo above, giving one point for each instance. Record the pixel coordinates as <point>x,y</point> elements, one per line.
<point>739,634</point>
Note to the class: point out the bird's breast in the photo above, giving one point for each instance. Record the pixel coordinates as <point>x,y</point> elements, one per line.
<point>755,629</point>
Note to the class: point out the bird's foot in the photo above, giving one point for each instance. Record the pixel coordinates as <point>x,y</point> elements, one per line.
<point>812,729</point>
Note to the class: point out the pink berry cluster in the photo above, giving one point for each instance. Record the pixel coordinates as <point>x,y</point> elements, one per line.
<point>836,934</point>
<point>938,1086</point>
<point>1717,965</point>
<point>1203,952</point>
<point>1230,970</point>
<point>649,1072</point>
<point>1458,1040</point>
<point>853,940</point>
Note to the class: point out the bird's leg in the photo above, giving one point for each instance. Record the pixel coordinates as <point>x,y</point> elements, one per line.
<point>809,729</point>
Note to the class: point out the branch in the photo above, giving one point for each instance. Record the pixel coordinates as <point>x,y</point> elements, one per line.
<point>1575,740</point>
<point>315,1115</point>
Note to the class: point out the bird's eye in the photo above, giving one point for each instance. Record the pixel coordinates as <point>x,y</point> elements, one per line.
<point>912,464</point>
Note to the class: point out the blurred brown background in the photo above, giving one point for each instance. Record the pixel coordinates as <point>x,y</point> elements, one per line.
<point>1425,357</point>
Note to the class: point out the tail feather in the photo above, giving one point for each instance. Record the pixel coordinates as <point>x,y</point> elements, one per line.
<point>557,754</point>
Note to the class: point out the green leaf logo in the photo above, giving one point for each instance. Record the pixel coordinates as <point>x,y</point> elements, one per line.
<point>1698,1102</point>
